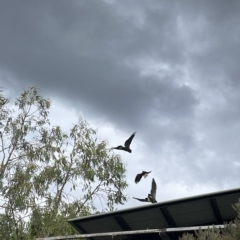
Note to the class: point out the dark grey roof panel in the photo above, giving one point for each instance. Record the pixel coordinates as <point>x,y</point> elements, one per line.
<point>225,205</point>
<point>145,218</point>
<point>102,225</point>
<point>227,199</point>
<point>184,213</point>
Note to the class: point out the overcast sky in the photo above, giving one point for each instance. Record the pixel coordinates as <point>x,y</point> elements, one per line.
<point>168,70</point>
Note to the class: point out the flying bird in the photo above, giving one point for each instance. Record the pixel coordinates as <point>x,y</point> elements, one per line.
<point>140,175</point>
<point>126,144</point>
<point>152,195</point>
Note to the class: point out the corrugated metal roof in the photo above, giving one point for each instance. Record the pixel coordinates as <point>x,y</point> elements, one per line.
<point>207,209</point>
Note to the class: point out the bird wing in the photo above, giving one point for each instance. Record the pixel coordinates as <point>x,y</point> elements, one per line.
<point>154,189</point>
<point>141,200</point>
<point>128,142</point>
<point>138,178</point>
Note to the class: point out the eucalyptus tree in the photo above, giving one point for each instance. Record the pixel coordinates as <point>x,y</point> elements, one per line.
<point>47,175</point>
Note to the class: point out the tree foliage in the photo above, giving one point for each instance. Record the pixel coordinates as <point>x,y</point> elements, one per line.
<point>48,176</point>
<point>231,230</point>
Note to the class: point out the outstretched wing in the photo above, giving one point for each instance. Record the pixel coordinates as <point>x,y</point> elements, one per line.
<point>141,200</point>
<point>128,142</point>
<point>138,178</point>
<point>154,189</point>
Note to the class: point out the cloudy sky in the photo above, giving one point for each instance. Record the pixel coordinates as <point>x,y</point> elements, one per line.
<point>168,70</point>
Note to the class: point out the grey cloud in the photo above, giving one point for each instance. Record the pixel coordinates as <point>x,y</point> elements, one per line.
<point>93,72</point>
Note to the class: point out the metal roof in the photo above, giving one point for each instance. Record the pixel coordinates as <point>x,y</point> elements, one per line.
<point>207,209</point>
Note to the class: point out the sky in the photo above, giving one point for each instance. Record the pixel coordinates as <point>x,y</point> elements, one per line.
<point>168,70</point>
